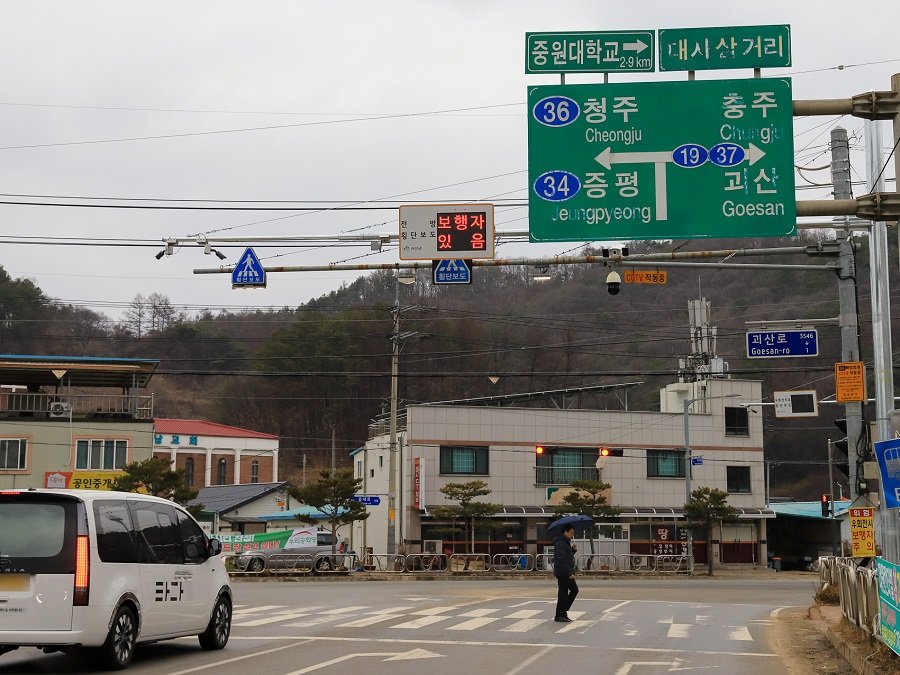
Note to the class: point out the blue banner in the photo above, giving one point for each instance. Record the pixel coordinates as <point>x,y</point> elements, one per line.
<point>889,602</point>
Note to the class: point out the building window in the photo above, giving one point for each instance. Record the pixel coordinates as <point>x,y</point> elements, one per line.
<point>380,461</point>
<point>665,464</point>
<point>13,454</point>
<point>254,471</point>
<point>464,459</point>
<point>371,473</point>
<point>189,471</point>
<point>105,454</point>
<point>738,478</point>
<point>737,422</point>
<point>359,468</point>
<point>561,465</point>
<point>220,472</point>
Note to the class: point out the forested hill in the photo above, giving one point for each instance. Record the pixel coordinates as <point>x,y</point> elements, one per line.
<point>302,371</point>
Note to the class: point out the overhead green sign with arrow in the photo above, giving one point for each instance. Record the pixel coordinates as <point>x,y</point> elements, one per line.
<point>629,51</point>
<point>661,160</point>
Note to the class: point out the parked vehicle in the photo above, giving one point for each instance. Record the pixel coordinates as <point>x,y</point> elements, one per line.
<point>318,557</point>
<point>106,570</point>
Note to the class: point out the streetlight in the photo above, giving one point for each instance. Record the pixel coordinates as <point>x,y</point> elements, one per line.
<point>405,277</point>
<point>688,402</point>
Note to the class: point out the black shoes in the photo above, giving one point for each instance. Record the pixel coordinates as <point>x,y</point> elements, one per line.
<point>562,619</point>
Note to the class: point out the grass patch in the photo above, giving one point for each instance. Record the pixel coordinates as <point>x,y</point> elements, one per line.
<point>829,595</point>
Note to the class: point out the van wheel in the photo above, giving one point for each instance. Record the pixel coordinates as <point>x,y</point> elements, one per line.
<point>324,565</point>
<point>256,565</point>
<point>117,651</point>
<point>216,634</point>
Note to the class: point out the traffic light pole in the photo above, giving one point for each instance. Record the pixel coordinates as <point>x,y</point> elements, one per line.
<point>834,534</point>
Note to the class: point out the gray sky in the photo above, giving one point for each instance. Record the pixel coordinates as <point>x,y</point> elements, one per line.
<point>91,71</point>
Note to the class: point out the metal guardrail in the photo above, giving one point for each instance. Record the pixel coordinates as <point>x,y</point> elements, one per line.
<point>858,590</point>
<point>472,563</point>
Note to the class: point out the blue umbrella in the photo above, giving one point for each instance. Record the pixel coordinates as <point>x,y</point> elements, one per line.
<point>579,519</point>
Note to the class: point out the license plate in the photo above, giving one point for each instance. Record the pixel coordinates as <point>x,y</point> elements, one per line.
<point>13,582</point>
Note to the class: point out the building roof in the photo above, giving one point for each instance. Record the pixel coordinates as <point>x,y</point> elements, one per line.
<point>203,428</point>
<point>222,499</point>
<point>626,511</point>
<point>808,509</point>
<point>305,511</point>
<point>77,371</point>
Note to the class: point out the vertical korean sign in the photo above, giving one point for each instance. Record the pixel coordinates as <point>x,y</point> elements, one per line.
<point>417,483</point>
<point>661,160</point>
<point>862,532</point>
<point>889,602</point>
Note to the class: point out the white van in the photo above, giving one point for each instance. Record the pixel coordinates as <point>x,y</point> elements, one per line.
<point>106,570</point>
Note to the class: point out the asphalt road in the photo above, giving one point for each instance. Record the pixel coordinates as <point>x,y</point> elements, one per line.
<point>621,627</point>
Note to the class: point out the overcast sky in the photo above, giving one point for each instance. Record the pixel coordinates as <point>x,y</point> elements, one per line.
<point>76,71</point>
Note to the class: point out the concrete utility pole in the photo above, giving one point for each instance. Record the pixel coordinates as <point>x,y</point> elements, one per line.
<point>846,270</point>
<point>392,447</point>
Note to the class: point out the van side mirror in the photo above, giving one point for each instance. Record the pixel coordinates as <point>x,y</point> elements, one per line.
<point>215,547</point>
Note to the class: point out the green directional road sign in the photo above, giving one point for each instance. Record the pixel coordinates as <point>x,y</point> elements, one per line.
<point>661,160</point>
<point>629,51</point>
<point>725,47</point>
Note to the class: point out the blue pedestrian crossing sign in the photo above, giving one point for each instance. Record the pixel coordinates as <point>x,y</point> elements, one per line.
<point>249,272</point>
<point>452,272</point>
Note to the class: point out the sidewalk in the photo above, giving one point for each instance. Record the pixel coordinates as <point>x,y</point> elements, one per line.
<point>865,655</point>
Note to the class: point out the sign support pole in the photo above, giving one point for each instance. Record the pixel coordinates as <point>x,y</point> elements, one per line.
<point>834,534</point>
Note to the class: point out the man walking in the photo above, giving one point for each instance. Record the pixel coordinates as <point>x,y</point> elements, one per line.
<point>564,571</point>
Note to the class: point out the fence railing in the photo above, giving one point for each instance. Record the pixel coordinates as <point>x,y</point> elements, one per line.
<point>457,563</point>
<point>858,589</point>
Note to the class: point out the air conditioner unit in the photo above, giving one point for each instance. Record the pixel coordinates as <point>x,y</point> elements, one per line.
<point>434,546</point>
<point>59,409</point>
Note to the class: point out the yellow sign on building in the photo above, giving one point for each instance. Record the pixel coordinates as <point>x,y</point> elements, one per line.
<point>81,480</point>
<point>850,381</point>
<point>862,533</point>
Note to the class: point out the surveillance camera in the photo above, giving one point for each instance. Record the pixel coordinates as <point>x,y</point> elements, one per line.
<point>613,282</point>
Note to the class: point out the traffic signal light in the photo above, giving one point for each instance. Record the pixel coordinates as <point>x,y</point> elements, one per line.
<point>539,449</point>
<point>612,452</point>
<point>841,449</point>
<point>826,505</point>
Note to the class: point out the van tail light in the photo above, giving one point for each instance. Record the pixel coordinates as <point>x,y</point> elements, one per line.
<point>82,570</point>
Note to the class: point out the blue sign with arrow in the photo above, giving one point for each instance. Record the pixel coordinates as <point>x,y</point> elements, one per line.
<point>249,272</point>
<point>763,344</point>
<point>888,455</point>
<point>452,272</point>
<point>368,500</point>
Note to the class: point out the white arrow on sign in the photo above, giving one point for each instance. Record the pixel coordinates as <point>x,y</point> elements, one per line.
<point>392,656</point>
<point>636,46</point>
<point>659,160</point>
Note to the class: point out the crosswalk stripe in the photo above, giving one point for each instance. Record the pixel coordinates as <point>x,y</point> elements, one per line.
<point>317,621</point>
<point>475,613</point>
<point>576,625</point>
<point>270,619</point>
<point>431,611</point>
<point>389,610</point>
<point>345,610</point>
<point>523,626</point>
<point>679,630</point>
<point>576,615</point>
<point>255,610</point>
<point>472,624</point>
<point>370,620</point>
<point>524,614</point>
<point>739,633</point>
<point>421,622</point>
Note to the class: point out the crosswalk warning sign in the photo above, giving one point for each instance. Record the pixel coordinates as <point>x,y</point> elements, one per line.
<point>249,272</point>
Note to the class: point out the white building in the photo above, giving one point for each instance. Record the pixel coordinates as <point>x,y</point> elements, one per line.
<point>459,443</point>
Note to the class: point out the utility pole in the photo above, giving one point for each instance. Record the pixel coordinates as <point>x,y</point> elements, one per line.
<point>392,447</point>
<point>333,465</point>
<point>834,535</point>
<point>846,271</point>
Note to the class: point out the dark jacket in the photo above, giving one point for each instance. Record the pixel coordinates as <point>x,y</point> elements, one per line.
<point>563,558</point>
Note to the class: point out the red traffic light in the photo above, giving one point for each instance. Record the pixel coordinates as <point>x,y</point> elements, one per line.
<point>611,452</point>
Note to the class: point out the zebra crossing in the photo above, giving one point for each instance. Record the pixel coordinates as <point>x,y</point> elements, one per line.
<point>459,620</point>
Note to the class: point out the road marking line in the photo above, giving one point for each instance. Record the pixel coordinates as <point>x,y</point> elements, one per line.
<point>217,664</point>
<point>679,630</point>
<point>575,615</point>
<point>389,610</point>
<point>370,620</point>
<point>255,610</point>
<point>668,650</point>
<point>615,607</point>
<point>472,624</point>
<point>527,662</point>
<point>318,621</point>
<point>575,625</point>
<point>523,626</point>
<point>345,610</point>
<point>523,614</point>
<point>422,622</point>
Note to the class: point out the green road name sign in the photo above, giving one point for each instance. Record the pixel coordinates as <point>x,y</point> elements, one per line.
<point>661,160</point>
<point>590,52</point>
<point>725,47</point>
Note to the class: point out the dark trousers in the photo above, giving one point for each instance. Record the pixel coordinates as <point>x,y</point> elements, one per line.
<point>568,589</point>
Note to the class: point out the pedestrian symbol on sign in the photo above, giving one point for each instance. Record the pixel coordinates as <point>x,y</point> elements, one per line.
<point>249,272</point>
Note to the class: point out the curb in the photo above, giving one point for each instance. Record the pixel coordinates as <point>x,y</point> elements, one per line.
<point>851,653</point>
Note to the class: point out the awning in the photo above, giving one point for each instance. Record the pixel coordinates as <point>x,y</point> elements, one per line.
<point>624,512</point>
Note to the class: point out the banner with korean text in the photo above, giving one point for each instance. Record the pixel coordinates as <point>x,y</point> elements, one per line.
<point>889,602</point>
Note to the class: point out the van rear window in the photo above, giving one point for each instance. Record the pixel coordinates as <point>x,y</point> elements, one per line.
<point>38,535</point>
